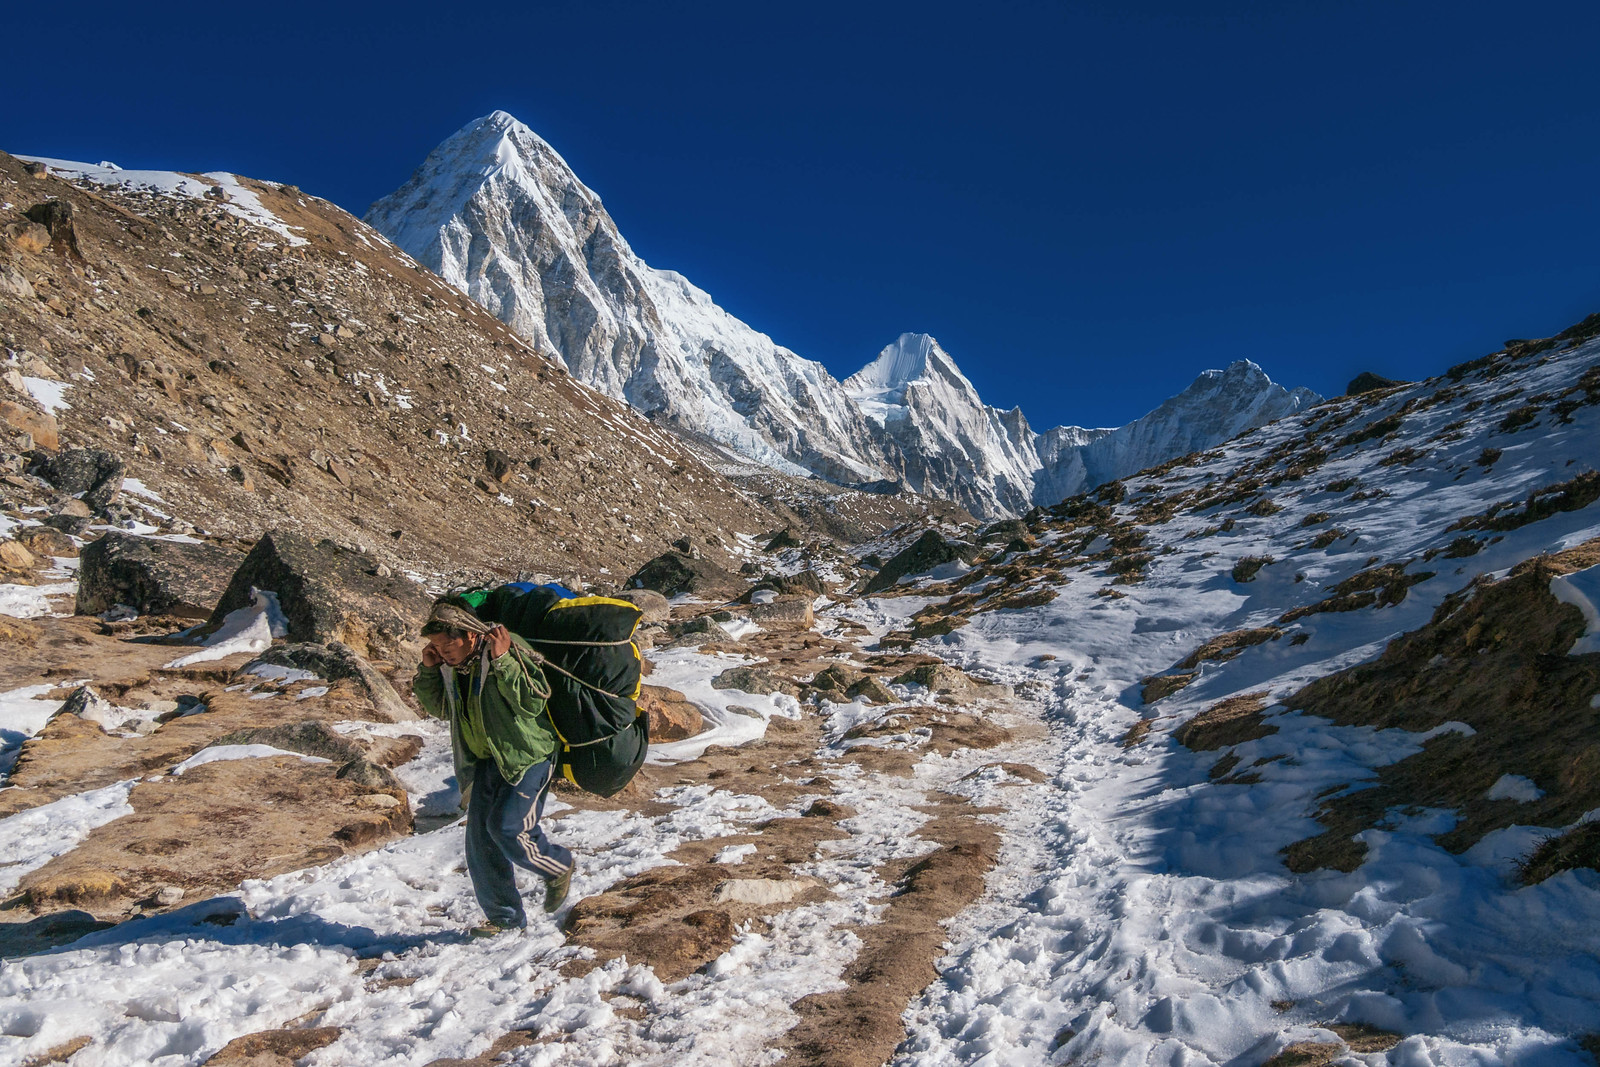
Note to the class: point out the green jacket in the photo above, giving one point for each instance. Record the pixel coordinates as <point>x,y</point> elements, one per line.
<point>509,702</point>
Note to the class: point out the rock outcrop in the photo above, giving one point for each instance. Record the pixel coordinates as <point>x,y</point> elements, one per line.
<point>924,554</point>
<point>676,573</point>
<point>154,576</point>
<point>336,661</point>
<point>329,593</point>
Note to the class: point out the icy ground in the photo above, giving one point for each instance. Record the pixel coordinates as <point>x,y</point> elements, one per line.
<point>1140,913</point>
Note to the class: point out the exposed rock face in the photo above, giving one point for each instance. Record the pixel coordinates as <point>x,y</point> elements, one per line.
<point>154,577</point>
<point>925,553</point>
<point>1217,405</point>
<point>954,445</point>
<point>329,593</point>
<point>301,376</point>
<point>1367,382</point>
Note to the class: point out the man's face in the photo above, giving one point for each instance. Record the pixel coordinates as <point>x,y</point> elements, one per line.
<point>453,650</point>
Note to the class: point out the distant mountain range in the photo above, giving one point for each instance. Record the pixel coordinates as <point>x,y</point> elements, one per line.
<point>497,213</point>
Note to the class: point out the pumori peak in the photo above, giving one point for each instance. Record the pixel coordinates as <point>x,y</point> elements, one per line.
<point>497,213</point>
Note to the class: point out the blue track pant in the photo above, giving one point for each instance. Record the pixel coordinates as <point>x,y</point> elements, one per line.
<point>502,831</point>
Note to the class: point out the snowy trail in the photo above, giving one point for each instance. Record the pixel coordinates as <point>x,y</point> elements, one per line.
<point>375,944</point>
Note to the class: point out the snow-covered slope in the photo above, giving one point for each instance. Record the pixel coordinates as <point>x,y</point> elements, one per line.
<point>1321,863</point>
<point>1218,406</point>
<point>500,216</point>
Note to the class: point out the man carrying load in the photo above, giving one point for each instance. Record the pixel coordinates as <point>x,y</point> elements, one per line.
<point>487,682</point>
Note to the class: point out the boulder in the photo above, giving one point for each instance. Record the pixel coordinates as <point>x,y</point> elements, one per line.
<point>952,684</point>
<point>669,714</point>
<point>334,662</point>
<point>14,283</point>
<point>329,593</point>
<point>677,573</point>
<point>309,737</point>
<point>784,538</point>
<point>841,683</point>
<point>56,216</point>
<point>786,612</point>
<point>754,680</point>
<point>89,473</point>
<point>29,237</point>
<point>14,557</point>
<point>925,553</point>
<point>806,583</point>
<point>872,691</point>
<point>363,771</point>
<point>499,465</point>
<point>152,576</point>
<point>39,425</point>
<point>836,678</point>
<point>656,608</point>
<point>46,541</point>
<point>1004,530</point>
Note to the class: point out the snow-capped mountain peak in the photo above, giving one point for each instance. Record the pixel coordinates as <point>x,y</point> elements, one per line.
<point>497,213</point>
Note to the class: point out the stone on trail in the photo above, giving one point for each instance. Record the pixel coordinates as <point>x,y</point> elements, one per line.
<point>154,577</point>
<point>669,715</point>
<point>754,680</point>
<point>952,684</point>
<point>334,662</point>
<point>784,612</point>
<point>309,737</point>
<point>328,593</point>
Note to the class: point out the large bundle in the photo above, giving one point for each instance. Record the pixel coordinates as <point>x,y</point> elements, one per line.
<point>592,666</point>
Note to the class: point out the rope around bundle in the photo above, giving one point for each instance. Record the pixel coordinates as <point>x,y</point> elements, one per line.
<point>454,617</point>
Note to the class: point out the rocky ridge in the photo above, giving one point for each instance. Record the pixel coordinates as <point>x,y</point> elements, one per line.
<point>325,384</point>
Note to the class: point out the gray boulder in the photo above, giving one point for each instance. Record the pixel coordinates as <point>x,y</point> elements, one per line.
<point>154,577</point>
<point>924,554</point>
<point>754,680</point>
<point>94,474</point>
<point>675,573</point>
<point>336,661</point>
<point>332,594</point>
<point>656,608</point>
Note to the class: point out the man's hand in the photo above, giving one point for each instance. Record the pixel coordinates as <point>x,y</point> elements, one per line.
<point>430,655</point>
<point>499,640</point>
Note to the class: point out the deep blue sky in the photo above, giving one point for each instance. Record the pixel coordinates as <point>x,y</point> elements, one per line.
<point>1087,203</point>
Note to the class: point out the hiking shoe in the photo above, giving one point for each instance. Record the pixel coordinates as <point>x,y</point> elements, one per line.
<point>555,891</point>
<point>490,929</point>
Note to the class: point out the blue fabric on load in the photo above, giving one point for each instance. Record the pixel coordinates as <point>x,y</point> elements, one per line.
<point>528,587</point>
